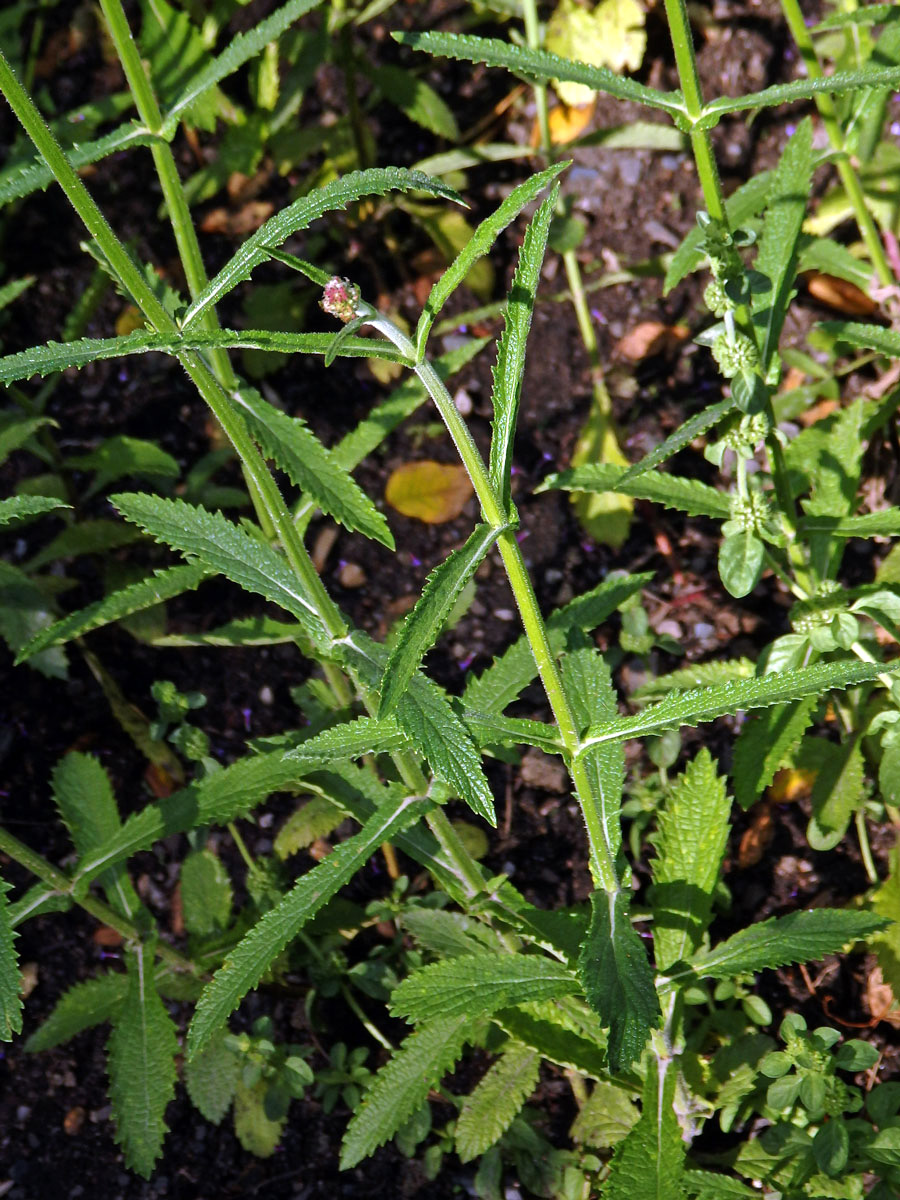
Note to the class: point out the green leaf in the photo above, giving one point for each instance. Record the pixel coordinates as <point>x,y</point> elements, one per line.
<point>90,1003</point>
<point>489,729</point>
<point>51,357</point>
<point>800,89</point>
<point>478,245</point>
<point>605,1118</point>
<point>489,1110</point>
<point>15,430</point>
<point>311,467</point>
<point>765,744</point>
<point>683,436</point>
<point>690,847</point>
<point>538,64</point>
<point>838,790</point>
<point>239,50</point>
<point>650,1162</point>
<point>10,979</point>
<point>479,984</point>
<point>416,100</point>
<point>211,1077</point>
<point>424,714</point>
<point>510,367</point>
<point>251,958</point>
<point>220,546</point>
<point>299,215</point>
<point>119,456</point>
<point>568,1038</point>
<point>206,893</point>
<point>24,610</point>
<point>617,978</point>
<point>689,495</point>
<point>741,560</point>
<point>161,585</point>
<point>257,1132</point>
<point>36,175</point>
<point>141,1063</point>
<point>876,524</point>
<point>245,631</point>
<point>705,704</point>
<point>799,937</point>
<point>777,256</point>
<point>16,508</point>
<point>448,933</point>
<point>696,675</point>
<point>424,624</point>
<point>745,202</point>
<point>316,819</point>
<point>499,684</point>
<point>93,536</point>
<point>401,1087</point>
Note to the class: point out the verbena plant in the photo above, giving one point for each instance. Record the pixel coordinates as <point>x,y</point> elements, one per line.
<point>388,748</point>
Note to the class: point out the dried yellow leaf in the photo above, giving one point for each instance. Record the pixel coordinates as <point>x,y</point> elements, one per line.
<point>429,491</point>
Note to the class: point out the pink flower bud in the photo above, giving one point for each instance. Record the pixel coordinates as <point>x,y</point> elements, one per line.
<point>340,299</point>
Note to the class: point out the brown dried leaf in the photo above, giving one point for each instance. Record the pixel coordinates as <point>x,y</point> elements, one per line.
<point>840,294</point>
<point>649,338</point>
<point>756,838</point>
<point>238,224</point>
<point>793,783</point>
<point>429,491</point>
<point>880,999</point>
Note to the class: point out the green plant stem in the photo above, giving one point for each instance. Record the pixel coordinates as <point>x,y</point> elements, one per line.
<point>828,113</point>
<point>64,886</point>
<point>601,859</point>
<point>865,849</point>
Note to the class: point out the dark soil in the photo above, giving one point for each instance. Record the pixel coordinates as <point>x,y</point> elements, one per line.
<point>55,1134</point>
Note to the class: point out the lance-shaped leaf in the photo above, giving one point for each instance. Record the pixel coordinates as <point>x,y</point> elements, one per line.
<point>539,64</point>
<point>335,195</point>
<point>683,436</point>
<point>617,979</point>
<point>353,739</point>
<point>560,1034</point>
<point>875,524</point>
<point>426,717</point>
<point>141,1063</point>
<point>51,357</point>
<point>490,1109</point>
<point>777,257</point>
<point>489,729</point>
<point>480,984</point>
<point>90,1003</point>
<point>650,1161</point>
<point>800,89</point>
<point>742,204</point>
<point>16,508</point>
<point>867,337</point>
<point>311,467</point>
<point>161,585</point>
<point>220,546</point>
<point>688,495</point>
<point>402,1086</point>
<point>211,1078</point>
<point>478,245</point>
<point>706,704</point>
<point>36,175</point>
<point>251,958</point>
<point>500,683</point>
<point>696,675</point>
<point>425,622</point>
<point>690,846</point>
<point>765,743</point>
<point>799,937</point>
<point>10,997</point>
<point>510,367</point>
<point>240,50</point>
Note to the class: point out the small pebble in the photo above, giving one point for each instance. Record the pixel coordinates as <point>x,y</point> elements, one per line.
<point>266,695</point>
<point>463,402</point>
<point>23,1112</point>
<point>351,575</point>
<point>505,614</point>
<point>552,575</point>
<point>703,630</point>
<point>672,628</point>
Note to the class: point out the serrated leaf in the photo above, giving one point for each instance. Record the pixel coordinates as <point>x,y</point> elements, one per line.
<point>478,245</point>
<point>742,204</point>
<point>799,937</point>
<point>141,1063</point>
<point>429,491</point>
<point>617,979</point>
<point>479,984</point>
<point>550,1028</point>
<point>90,1003</point>
<point>801,89</point>
<point>239,50</point>
<point>650,1161</point>
<point>683,436</point>
<point>10,979</point>
<point>605,1118</point>
<point>416,100</point>
<point>17,508</point>
<point>448,933</point>
<point>160,586</point>
<point>876,524</point>
<point>211,1078</point>
<point>36,175</point>
<point>690,847</point>
<point>490,1109</point>
<point>499,684</point>
<point>839,788</point>
<point>696,675</point>
<point>402,1086</point>
<point>172,46</point>
<point>93,536</point>
<point>245,631</point>
<point>539,64</point>
<point>510,367</point>
<point>119,456</point>
<point>251,958</point>
<point>688,495</point>
<point>222,547</point>
<point>351,739</point>
<point>24,610</point>
<point>254,1128</point>
<point>777,256</point>
<point>206,893</point>
<point>489,729</point>
<point>316,819</point>
<point>425,622</point>
<point>867,337</point>
<point>311,467</point>
<point>299,215</point>
<point>705,704</point>
<point>764,745</point>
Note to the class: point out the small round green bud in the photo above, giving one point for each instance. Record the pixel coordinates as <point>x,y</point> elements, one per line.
<point>716,298</point>
<point>735,354</point>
